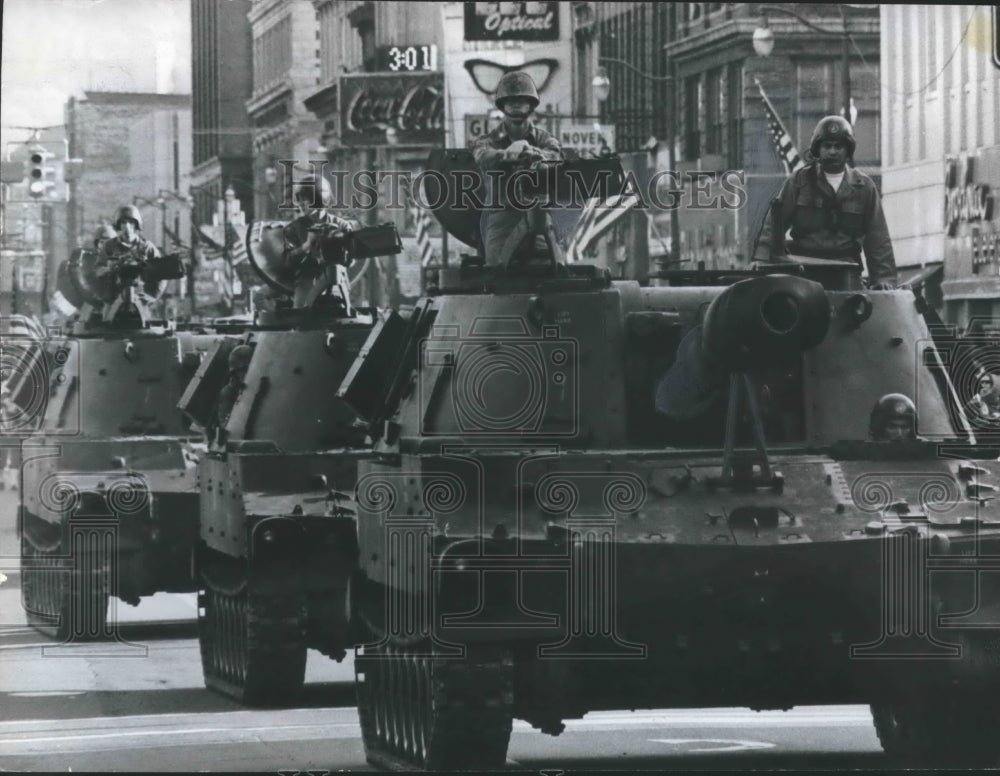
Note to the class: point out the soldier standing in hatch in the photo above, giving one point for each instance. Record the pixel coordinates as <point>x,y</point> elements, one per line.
<point>127,247</point>
<point>833,210</point>
<point>129,242</point>
<point>893,418</point>
<point>515,139</point>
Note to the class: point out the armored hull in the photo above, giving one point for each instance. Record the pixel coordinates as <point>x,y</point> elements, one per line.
<point>541,537</point>
<point>108,486</point>
<point>277,536</point>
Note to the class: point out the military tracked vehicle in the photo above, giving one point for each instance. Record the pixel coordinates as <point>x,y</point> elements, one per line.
<point>108,484</point>
<point>592,495</point>
<point>277,538</point>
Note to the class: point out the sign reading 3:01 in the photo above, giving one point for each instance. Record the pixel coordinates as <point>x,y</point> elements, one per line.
<point>407,59</point>
<point>512,21</point>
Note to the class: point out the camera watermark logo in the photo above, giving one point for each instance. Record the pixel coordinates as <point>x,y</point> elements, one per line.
<point>971,363</point>
<point>71,554</point>
<point>499,379</point>
<point>28,365</point>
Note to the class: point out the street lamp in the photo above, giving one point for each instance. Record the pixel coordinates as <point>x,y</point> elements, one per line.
<point>763,44</point>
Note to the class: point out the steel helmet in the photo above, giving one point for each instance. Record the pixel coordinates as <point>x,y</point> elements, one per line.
<point>832,128</point>
<point>104,232</point>
<point>129,211</point>
<point>307,188</point>
<point>516,84</point>
<point>892,406</point>
<point>239,357</point>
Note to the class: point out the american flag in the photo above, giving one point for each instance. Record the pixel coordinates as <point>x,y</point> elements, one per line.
<point>783,142</point>
<point>423,225</point>
<point>231,282</point>
<point>597,217</point>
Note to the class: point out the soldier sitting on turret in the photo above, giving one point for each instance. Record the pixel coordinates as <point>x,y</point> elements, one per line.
<point>833,210</point>
<point>304,236</point>
<point>313,241</point>
<point>516,139</point>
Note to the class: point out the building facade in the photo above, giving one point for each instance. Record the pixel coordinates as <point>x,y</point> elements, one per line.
<point>941,135</point>
<point>221,85</point>
<point>380,107</point>
<point>285,71</point>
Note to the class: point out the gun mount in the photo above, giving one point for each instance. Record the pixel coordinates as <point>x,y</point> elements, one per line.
<point>311,266</point>
<point>115,293</point>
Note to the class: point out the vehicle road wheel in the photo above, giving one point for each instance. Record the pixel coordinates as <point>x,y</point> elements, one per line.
<point>253,646</point>
<point>959,733</point>
<point>65,593</point>
<point>421,710</point>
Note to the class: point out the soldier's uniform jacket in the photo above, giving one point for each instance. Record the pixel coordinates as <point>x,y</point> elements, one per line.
<point>486,150</point>
<point>832,225</point>
<point>502,230</point>
<point>140,250</point>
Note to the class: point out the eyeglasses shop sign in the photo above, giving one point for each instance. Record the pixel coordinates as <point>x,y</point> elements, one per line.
<point>392,109</point>
<point>512,21</point>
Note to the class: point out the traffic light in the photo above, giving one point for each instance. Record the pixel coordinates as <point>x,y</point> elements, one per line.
<point>41,174</point>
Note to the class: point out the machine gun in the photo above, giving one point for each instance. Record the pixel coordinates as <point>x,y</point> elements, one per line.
<point>116,292</point>
<point>307,263</point>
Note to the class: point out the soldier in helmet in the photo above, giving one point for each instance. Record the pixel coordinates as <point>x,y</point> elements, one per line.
<point>104,233</point>
<point>893,418</point>
<point>304,236</point>
<point>127,247</point>
<point>129,242</point>
<point>514,140</point>
<point>239,363</point>
<point>834,211</point>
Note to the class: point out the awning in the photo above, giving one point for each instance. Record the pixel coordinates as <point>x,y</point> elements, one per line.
<point>915,277</point>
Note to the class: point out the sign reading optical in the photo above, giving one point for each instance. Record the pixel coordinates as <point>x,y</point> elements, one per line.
<point>407,59</point>
<point>524,20</point>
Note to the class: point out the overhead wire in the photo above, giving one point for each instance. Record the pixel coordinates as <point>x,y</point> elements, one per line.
<point>940,72</point>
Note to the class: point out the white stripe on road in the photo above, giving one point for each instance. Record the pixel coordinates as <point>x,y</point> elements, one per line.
<point>26,737</point>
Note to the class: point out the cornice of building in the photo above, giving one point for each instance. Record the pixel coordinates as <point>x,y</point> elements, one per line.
<point>260,102</point>
<point>323,102</point>
<point>262,8</point>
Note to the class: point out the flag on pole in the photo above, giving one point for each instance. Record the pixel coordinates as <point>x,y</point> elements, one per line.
<point>423,225</point>
<point>598,216</point>
<point>783,142</point>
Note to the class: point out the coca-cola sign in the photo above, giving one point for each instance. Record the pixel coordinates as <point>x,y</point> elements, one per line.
<point>378,109</point>
<point>512,21</point>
